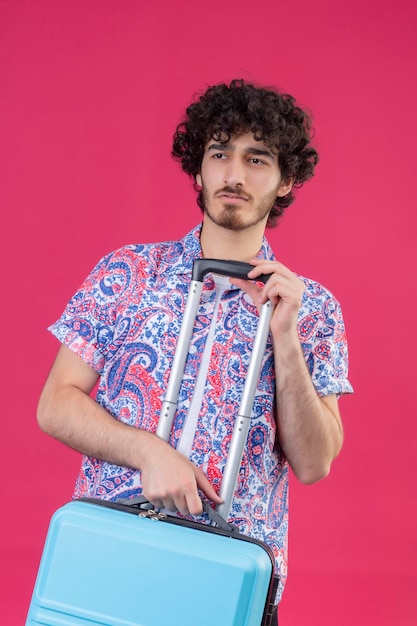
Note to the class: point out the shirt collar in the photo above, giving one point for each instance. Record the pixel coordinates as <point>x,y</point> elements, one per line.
<point>182,253</point>
<point>187,249</point>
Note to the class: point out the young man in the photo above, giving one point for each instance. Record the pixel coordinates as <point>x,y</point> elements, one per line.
<point>246,149</point>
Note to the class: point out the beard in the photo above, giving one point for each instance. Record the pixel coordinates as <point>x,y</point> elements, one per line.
<point>237,217</point>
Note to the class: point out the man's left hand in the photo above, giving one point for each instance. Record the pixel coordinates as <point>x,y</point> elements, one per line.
<point>283,288</point>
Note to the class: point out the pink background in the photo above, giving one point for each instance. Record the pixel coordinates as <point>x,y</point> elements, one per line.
<point>90,94</point>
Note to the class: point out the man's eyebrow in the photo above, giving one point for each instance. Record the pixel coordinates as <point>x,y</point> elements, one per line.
<point>260,152</point>
<point>221,147</point>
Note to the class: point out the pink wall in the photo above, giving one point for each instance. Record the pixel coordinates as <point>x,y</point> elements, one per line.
<point>90,93</point>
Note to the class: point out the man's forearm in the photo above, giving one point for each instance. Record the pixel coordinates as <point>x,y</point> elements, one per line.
<point>309,427</point>
<point>74,418</point>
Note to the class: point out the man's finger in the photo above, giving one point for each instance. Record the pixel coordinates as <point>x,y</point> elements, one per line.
<point>168,503</point>
<point>194,504</point>
<point>181,505</point>
<point>206,487</point>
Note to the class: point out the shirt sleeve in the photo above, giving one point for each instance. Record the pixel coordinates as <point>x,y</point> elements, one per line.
<point>87,325</point>
<point>323,338</point>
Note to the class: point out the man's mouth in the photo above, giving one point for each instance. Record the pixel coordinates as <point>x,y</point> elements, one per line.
<point>232,195</point>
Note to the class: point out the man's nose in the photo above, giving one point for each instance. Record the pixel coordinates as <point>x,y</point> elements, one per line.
<point>234,174</point>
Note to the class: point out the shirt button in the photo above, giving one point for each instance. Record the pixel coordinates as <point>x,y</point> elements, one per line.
<point>192,350</point>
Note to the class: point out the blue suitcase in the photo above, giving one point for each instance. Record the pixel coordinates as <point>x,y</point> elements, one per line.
<point>124,564</point>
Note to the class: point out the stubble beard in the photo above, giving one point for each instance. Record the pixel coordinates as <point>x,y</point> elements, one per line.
<point>234,217</point>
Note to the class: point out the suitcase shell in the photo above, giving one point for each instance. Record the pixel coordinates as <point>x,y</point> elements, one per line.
<point>103,566</point>
<point>104,563</point>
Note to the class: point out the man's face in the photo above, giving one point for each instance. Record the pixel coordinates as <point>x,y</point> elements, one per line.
<point>240,181</point>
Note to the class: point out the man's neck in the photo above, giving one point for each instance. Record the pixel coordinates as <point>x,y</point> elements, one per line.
<point>221,243</point>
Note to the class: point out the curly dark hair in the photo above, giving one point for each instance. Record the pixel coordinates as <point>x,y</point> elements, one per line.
<point>273,117</point>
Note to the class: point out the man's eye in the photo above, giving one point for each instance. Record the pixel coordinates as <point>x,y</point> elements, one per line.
<point>256,161</point>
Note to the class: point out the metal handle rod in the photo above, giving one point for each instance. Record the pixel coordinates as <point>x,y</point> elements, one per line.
<point>169,405</point>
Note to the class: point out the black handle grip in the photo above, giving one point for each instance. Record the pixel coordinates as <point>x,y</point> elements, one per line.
<point>234,269</point>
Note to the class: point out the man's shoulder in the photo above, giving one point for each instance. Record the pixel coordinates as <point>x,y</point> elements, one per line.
<point>151,255</point>
<point>143,249</point>
<point>317,293</point>
<point>156,256</point>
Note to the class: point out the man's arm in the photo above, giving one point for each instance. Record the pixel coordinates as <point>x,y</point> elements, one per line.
<point>309,427</point>
<point>68,413</point>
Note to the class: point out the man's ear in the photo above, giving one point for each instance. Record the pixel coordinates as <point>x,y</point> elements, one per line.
<point>199,180</point>
<point>285,187</point>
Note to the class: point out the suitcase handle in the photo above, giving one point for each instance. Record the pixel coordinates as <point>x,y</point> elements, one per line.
<point>141,502</point>
<point>234,269</point>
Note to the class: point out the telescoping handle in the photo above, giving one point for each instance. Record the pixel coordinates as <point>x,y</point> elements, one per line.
<point>235,269</point>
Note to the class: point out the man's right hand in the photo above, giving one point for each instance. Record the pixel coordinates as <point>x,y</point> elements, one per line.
<point>171,481</point>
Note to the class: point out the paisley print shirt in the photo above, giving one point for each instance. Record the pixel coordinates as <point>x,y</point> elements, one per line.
<point>124,322</point>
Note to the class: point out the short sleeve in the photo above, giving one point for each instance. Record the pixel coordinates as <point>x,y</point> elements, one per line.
<point>87,325</point>
<point>323,338</point>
